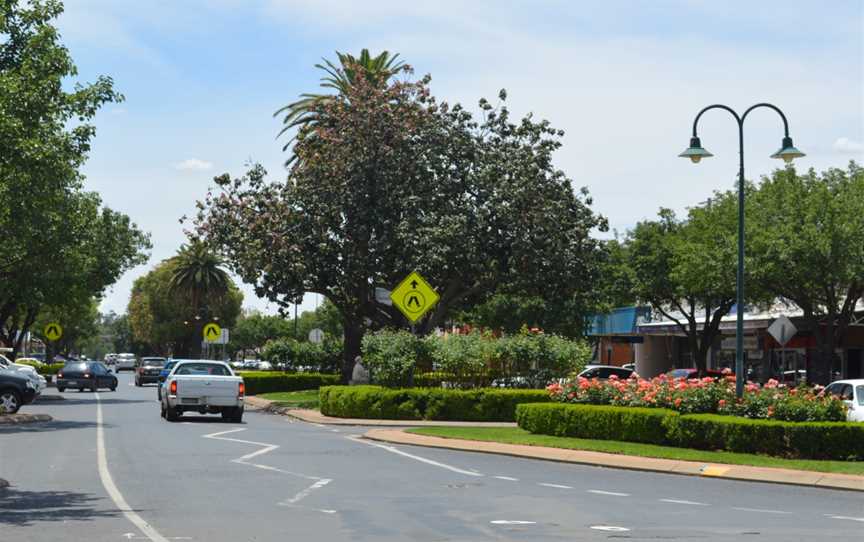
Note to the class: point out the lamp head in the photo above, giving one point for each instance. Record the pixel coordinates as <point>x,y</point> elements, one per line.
<point>787,151</point>
<point>695,152</point>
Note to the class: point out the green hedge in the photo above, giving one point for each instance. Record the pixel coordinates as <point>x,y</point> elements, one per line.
<point>630,424</point>
<point>375,402</point>
<point>42,368</point>
<point>264,382</point>
<point>805,440</point>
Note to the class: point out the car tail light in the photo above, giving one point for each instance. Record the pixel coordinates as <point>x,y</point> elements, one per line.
<point>86,375</point>
<point>173,387</point>
<point>241,390</point>
<point>60,374</point>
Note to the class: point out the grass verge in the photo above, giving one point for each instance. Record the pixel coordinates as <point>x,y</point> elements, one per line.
<point>515,435</point>
<point>293,399</point>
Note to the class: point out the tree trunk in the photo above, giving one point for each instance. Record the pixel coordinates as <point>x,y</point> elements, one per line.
<point>353,340</point>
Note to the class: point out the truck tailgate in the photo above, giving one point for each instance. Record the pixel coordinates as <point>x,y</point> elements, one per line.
<point>214,390</point>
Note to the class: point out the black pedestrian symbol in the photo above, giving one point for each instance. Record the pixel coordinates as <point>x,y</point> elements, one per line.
<point>414,302</point>
<point>52,330</point>
<point>211,331</point>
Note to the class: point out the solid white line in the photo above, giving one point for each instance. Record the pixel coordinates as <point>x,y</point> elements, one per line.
<point>111,488</point>
<point>611,493</point>
<point>416,457</point>
<point>760,510</point>
<point>509,479</point>
<point>559,486</point>
<point>850,518</point>
<point>678,501</point>
<point>512,522</point>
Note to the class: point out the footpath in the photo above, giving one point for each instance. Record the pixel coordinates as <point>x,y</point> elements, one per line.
<point>392,431</point>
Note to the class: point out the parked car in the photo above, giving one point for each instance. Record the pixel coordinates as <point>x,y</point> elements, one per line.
<point>85,375</point>
<point>126,362</point>
<point>110,359</point>
<point>148,371</point>
<point>631,366</point>
<point>852,393</point>
<point>27,370</point>
<point>16,390</point>
<point>265,366</point>
<point>203,386</point>
<point>694,373</point>
<point>163,374</point>
<point>603,372</point>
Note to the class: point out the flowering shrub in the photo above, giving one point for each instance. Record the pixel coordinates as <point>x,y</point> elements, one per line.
<point>705,395</point>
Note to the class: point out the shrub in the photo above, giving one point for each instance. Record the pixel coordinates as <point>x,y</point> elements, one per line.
<point>390,357</point>
<point>376,402</point>
<point>43,368</point>
<point>266,381</point>
<point>805,440</point>
<point>631,424</point>
<point>705,395</point>
<point>296,355</point>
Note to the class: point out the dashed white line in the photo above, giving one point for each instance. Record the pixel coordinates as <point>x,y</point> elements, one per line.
<point>508,478</point>
<point>849,518</point>
<point>610,528</point>
<point>108,482</point>
<point>512,522</point>
<point>759,510</point>
<point>679,501</point>
<point>394,450</point>
<point>610,493</point>
<point>558,486</point>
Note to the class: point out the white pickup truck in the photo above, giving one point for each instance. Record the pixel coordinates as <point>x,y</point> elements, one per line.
<point>203,386</point>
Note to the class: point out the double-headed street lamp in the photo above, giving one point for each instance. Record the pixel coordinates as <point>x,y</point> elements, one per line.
<point>696,153</point>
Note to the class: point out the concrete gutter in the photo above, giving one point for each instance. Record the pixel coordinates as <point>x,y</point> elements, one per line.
<point>668,466</point>
<point>15,419</point>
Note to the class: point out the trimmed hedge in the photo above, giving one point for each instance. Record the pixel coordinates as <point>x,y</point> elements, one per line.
<point>375,402</point>
<point>804,440</point>
<point>44,369</point>
<point>264,382</point>
<point>602,422</point>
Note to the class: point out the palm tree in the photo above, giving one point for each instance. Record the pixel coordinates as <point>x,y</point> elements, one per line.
<point>198,274</point>
<point>376,70</point>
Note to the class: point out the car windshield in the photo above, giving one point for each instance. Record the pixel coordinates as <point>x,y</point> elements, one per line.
<point>213,369</point>
<point>153,362</point>
<point>75,366</point>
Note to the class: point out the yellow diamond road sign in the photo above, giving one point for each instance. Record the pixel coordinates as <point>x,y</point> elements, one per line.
<point>212,332</point>
<point>414,297</point>
<point>53,331</point>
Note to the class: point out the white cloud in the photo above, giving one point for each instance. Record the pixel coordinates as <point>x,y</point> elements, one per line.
<point>193,164</point>
<point>850,146</point>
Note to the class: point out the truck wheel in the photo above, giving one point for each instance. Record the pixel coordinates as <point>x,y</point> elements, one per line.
<point>171,414</point>
<point>10,401</point>
<point>237,416</point>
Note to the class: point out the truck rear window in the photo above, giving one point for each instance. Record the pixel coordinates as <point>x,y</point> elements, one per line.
<point>202,369</point>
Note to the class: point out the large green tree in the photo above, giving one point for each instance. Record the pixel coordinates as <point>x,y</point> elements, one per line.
<point>389,181</point>
<point>166,322</point>
<point>807,235</point>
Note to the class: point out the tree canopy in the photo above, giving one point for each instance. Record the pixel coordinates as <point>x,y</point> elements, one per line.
<point>394,181</point>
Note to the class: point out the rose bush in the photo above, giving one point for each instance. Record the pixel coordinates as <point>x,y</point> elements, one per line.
<point>705,395</point>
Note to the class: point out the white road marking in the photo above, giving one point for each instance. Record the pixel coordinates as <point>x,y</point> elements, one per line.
<point>679,501</point>
<point>318,482</point>
<point>558,486</point>
<point>512,522</point>
<point>850,518</point>
<point>319,425</point>
<point>610,493</point>
<point>508,478</point>
<point>415,457</point>
<point>335,430</point>
<point>611,528</point>
<point>108,482</point>
<point>760,510</point>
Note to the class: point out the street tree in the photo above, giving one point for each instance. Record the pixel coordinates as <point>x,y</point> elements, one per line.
<point>807,234</point>
<point>389,181</point>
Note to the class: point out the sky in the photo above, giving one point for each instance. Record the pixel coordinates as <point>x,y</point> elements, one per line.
<point>623,79</point>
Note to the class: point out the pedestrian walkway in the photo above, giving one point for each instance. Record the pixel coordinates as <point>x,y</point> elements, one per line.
<point>669,466</point>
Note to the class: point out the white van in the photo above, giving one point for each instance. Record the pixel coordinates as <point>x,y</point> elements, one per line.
<point>126,362</point>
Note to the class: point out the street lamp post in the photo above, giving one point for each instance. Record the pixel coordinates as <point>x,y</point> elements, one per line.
<point>696,153</point>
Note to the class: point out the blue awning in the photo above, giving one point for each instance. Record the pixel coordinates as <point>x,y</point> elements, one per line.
<point>621,321</point>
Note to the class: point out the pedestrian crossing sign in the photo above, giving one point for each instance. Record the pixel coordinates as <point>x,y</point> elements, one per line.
<point>212,332</point>
<point>414,297</point>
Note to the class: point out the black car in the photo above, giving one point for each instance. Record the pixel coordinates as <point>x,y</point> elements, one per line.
<point>89,375</point>
<point>15,390</point>
<point>603,372</point>
<point>148,371</point>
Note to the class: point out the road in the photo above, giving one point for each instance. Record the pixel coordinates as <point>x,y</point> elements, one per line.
<point>271,479</point>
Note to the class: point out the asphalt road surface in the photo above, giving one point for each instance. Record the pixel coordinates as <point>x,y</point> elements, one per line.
<point>110,469</point>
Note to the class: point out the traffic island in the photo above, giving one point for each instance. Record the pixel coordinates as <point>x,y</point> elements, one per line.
<point>17,419</point>
<point>651,464</point>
